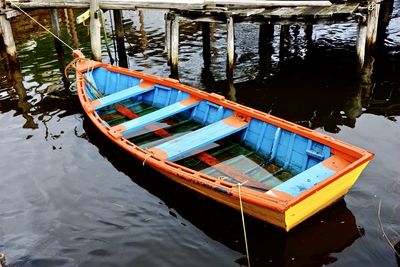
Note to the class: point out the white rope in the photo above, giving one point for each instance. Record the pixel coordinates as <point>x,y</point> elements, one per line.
<point>383,230</point>
<point>55,36</point>
<point>243,223</point>
<point>145,159</point>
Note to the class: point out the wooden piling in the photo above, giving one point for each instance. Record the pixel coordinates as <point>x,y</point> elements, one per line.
<point>95,30</point>
<point>120,39</point>
<point>367,34</point>
<point>55,24</point>
<point>283,43</point>
<point>205,26</point>
<point>265,49</point>
<point>2,260</point>
<point>167,48</point>
<point>8,38</point>
<point>308,31</point>
<point>385,13</point>
<point>361,41</point>
<point>372,26</point>
<point>174,46</point>
<point>58,45</point>
<point>230,49</point>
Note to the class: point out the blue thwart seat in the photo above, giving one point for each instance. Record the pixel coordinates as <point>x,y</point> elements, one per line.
<point>305,180</point>
<point>183,145</point>
<point>178,107</point>
<point>121,95</point>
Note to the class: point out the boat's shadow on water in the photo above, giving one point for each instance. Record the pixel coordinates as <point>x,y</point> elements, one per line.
<point>311,244</point>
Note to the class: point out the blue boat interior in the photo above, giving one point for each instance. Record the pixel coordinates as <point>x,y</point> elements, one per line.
<point>272,156</point>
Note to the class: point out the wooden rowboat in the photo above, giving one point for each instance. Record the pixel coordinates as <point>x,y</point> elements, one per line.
<point>283,172</point>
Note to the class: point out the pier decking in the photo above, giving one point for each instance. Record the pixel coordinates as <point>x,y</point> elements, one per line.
<point>229,12</point>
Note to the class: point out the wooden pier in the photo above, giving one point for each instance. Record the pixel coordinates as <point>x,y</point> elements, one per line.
<point>305,13</point>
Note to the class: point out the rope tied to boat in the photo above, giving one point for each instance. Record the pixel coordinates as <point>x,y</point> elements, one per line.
<point>37,22</point>
<point>239,185</point>
<point>145,159</point>
<point>72,65</point>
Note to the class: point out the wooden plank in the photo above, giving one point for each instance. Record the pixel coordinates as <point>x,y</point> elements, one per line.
<point>187,143</point>
<point>280,11</point>
<point>120,96</point>
<point>339,9</point>
<point>155,116</point>
<point>311,11</point>
<point>293,12</point>
<point>176,4</point>
<point>247,12</point>
<point>260,3</point>
<point>109,4</point>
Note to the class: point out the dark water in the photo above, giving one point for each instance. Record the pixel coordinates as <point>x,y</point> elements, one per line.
<point>69,197</point>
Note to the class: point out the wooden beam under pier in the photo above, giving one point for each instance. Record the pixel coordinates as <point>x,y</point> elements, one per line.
<point>171,4</point>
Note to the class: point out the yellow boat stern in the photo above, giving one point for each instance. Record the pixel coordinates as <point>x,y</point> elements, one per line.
<point>321,198</point>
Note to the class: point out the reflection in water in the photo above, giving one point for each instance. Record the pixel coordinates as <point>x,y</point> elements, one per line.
<point>71,27</point>
<point>311,244</point>
<point>138,42</point>
<point>15,79</point>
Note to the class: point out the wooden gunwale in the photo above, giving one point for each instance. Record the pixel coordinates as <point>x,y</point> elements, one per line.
<point>358,155</point>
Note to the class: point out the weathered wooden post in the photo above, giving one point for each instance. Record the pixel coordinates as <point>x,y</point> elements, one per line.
<point>2,260</point>
<point>174,45</point>
<point>361,41</point>
<point>167,48</point>
<point>205,30</point>
<point>95,30</point>
<point>8,38</point>
<point>56,26</point>
<point>308,31</point>
<point>385,13</point>
<point>283,42</point>
<point>230,49</point>
<point>58,45</point>
<point>367,33</point>
<point>372,25</point>
<point>265,49</point>
<point>120,38</point>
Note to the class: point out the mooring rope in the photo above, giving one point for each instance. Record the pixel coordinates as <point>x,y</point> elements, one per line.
<point>383,230</point>
<point>243,223</point>
<point>37,22</point>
